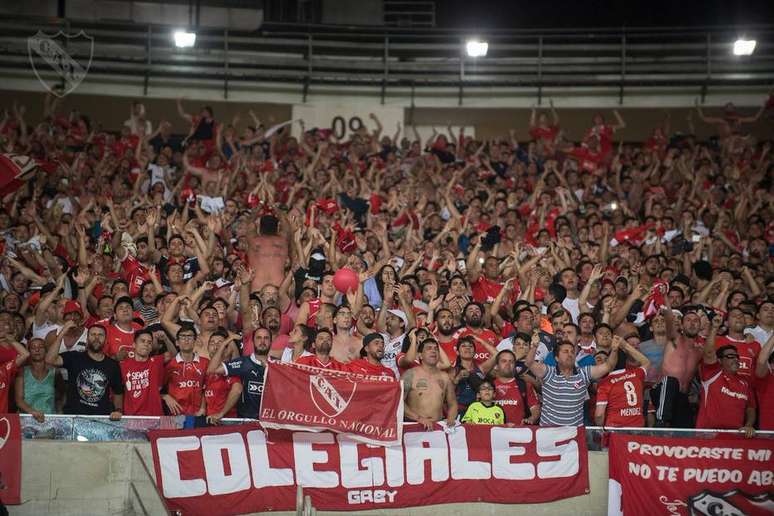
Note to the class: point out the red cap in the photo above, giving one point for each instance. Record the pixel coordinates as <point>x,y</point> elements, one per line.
<point>72,306</point>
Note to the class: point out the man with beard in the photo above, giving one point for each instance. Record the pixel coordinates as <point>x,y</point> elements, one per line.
<point>372,354</point>
<point>345,346</point>
<point>679,366</point>
<point>444,333</point>
<point>93,376</point>
<point>271,320</point>
<point>473,317</point>
<point>250,369</point>
<point>428,391</point>
<point>270,295</point>
<point>323,343</point>
<point>516,397</point>
<point>366,320</point>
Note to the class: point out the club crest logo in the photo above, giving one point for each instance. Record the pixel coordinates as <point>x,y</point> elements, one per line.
<point>329,399</point>
<point>731,503</point>
<point>51,58</point>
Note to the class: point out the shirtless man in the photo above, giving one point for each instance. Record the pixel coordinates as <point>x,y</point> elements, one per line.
<point>267,253</point>
<point>427,389</point>
<point>346,347</point>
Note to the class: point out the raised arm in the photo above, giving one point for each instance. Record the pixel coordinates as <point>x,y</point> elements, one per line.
<point>709,346</point>
<point>598,371</point>
<point>181,111</point>
<point>537,368</point>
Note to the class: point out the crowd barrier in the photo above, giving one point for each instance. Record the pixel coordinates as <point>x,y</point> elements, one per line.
<point>135,428</point>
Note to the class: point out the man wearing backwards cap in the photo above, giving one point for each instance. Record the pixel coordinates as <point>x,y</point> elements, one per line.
<point>395,324</point>
<point>372,353</point>
<point>119,342</point>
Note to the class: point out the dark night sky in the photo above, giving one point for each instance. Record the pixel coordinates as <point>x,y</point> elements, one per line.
<point>515,14</point>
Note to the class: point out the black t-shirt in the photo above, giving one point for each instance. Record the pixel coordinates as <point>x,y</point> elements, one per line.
<point>90,383</point>
<point>251,373</point>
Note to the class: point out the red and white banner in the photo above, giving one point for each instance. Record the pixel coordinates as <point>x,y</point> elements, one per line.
<point>10,459</point>
<point>368,407</point>
<point>243,469</point>
<point>688,476</point>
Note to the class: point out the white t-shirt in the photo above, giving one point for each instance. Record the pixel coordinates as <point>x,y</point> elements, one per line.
<point>212,204</point>
<point>40,332</point>
<point>391,349</point>
<point>572,306</point>
<point>759,334</point>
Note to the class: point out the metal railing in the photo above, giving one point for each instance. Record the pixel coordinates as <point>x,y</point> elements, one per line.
<point>696,58</point>
<point>135,428</point>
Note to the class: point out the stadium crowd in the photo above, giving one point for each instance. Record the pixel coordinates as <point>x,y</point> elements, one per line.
<point>565,280</point>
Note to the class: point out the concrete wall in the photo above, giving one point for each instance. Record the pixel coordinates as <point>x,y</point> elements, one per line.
<point>111,111</point>
<point>81,478</point>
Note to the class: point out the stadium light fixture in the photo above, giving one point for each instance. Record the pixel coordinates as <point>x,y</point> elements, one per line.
<point>476,48</point>
<point>744,47</point>
<point>184,39</point>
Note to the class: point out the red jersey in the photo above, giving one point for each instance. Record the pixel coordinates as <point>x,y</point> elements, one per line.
<point>216,389</point>
<point>621,393</point>
<point>482,355</point>
<point>724,398</point>
<point>313,361</point>
<point>118,339</point>
<point>764,388</point>
<point>508,396</point>
<point>142,384</point>
<point>134,273</point>
<point>363,366</point>
<point>450,348</point>
<point>314,307</point>
<point>748,354</point>
<point>185,382</point>
<point>8,372</point>
<point>485,290</point>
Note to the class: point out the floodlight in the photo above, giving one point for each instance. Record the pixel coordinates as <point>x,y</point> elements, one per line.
<point>476,48</point>
<point>184,39</point>
<point>744,47</point>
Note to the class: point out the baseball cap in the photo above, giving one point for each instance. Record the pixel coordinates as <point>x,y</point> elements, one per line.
<point>399,314</point>
<point>368,339</point>
<point>72,306</point>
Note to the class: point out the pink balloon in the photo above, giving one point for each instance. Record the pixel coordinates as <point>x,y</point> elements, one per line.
<point>345,280</point>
